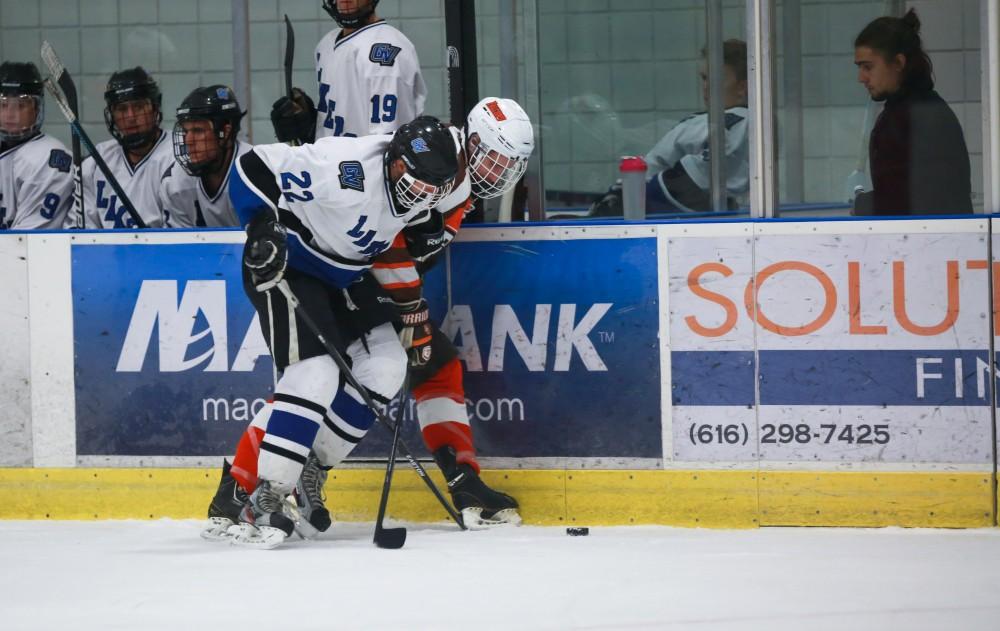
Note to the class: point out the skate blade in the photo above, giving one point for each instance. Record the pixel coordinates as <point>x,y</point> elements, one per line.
<point>474,520</point>
<point>261,538</point>
<point>219,529</point>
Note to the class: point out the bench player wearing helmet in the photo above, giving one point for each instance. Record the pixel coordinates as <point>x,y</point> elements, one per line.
<point>138,155</point>
<point>36,172</point>
<point>316,216</point>
<point>195,189</point>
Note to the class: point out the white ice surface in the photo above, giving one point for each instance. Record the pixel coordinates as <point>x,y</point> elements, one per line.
<point>159,575</point>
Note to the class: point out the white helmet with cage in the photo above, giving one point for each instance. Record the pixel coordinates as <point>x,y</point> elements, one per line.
<point>499,142</point>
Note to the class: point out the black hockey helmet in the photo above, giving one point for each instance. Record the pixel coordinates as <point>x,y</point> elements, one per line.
<point>214,103</point>
<point>134,84</point>
<point>427,148</point>
<point>19,80</point>
<point>349,20</point>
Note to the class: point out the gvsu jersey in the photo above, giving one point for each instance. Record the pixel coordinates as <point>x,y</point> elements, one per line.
<point>141,183</point>
<point>333,198</point>
<point>36,185</point>
<point>184,200</point>
<point>687,144</point>
<point>369,82</point>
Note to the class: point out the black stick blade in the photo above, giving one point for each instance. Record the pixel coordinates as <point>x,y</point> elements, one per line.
<point>390,538</point>
<point>289,55</point>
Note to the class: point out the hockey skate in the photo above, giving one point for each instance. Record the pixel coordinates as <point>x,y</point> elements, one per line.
<point>481,507</point>
<point>224,511</point>
<point>263,522</point>
<point>306,504</point>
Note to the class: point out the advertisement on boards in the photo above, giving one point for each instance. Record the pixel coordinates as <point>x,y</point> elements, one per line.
<point>559,343</point>
<point>861,347</point>
<point>170,358</point>
<point>558,340</point>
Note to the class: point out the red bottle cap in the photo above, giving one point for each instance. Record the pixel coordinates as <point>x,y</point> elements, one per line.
<point>631,164</point>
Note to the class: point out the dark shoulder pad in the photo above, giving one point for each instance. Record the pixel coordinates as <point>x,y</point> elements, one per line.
<point>731,119</point>
<point>260,176</point>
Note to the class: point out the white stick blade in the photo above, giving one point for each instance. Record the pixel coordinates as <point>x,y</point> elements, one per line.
<point>60,100</point>
<point>51,59</point>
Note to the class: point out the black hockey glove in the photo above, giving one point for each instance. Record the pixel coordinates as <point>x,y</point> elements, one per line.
<point>294,119</point>
<point>416,334</point>
<point>266,252</point>
<point>424,240</point>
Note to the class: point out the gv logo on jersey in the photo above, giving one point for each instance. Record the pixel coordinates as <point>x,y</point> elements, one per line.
<point>352,176</point>
<point>383,54</point>
<point>570,335</point>
<point>191,333</point>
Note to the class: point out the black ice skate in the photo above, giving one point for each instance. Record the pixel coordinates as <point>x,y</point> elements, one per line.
<point>264,523</point>
<point>308,506</point>
<point>480,506</point>
<point>224,511</point>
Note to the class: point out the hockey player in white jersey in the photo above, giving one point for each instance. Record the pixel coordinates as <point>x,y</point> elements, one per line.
<point>315,217</point>
<point>492,154</point>
<point>369,80</point>
<point>138,156</point>
<point>36,172</point>
<point>194,192</point>
<point>679,165</point>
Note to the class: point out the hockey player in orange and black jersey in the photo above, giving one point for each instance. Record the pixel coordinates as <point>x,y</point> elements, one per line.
<point>498,143</point>
<point>493,153</point>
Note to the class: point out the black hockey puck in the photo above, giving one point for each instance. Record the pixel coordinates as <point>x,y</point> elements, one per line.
<point>578,532</point>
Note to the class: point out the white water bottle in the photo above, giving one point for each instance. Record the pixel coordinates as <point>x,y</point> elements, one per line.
<point>633,174</point>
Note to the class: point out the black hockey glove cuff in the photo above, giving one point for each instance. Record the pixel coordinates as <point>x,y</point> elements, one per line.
<point>416,334</point>
<point>424,240</point>
<point>294,119</point>
<point>266,252</point>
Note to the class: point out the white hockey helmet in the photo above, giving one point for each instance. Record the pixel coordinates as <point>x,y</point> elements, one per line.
<point>499,142</point>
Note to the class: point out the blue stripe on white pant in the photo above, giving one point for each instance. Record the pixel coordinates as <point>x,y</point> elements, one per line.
<point>346,423</point>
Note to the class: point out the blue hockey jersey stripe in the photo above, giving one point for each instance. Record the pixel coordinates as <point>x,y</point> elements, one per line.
<point>247,202</point>
<point>312,262</point>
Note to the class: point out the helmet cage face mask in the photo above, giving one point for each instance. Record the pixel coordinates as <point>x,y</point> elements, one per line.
<point>416,195</point>
<point>499,143</point>
<point>182,151</point>
<point>10,99</point>
<point>134,85</point>
<point>491,172</point>
<point>349,20</point>
<point>139,138</point>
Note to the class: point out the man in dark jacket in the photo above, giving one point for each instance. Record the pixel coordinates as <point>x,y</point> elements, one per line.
<point>919,161</point>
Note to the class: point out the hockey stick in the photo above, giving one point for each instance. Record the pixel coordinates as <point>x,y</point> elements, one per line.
<point>379,414</point>
<point>65,82</point>
<point>391,538</point>
<point>289,55</point>
<point>57,70</point>
<point>289,58</point>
